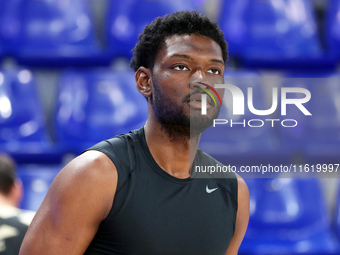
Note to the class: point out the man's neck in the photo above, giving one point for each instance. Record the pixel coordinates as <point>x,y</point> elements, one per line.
<point>5,200</point>
<point>174,156</point>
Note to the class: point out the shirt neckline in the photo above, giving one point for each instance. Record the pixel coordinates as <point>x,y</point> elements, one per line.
<point>156,167</point>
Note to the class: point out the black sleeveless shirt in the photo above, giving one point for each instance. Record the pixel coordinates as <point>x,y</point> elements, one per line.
<point>155,213</point>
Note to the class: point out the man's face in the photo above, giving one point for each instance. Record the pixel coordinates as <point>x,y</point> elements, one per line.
<point>183,64</point>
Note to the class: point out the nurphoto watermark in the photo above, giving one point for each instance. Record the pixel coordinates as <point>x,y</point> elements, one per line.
<point>267,127</point>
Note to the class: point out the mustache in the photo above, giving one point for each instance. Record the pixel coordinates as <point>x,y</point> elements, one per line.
<point>187,97</point>
<point>196,91</point>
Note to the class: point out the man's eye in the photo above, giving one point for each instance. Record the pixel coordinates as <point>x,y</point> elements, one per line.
<point>214,71</point>
<point>181,68</point>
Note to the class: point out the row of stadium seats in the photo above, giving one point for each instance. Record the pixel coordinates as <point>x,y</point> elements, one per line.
<point>287,216</point>
<point>271,33</point>
<point>96,104</point>
<point>290,216</point>
<point>91,105</point>
<point>281,34</point>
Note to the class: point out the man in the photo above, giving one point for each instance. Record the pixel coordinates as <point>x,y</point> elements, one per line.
<point>13,221</point>
<point>133,194</point>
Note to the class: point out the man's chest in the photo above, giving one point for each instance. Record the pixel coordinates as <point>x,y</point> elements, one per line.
<point>165,218</point>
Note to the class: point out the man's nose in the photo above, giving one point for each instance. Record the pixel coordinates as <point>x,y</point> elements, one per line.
<point>198,79</point>
<point>199,75</point>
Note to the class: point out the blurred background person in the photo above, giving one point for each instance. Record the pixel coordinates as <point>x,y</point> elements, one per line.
<point>13,221</point>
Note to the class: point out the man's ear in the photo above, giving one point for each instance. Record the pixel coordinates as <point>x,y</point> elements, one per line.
<point>143,81</point>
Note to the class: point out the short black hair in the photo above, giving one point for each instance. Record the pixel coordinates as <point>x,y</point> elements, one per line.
<point>7,174</point>
<point>178,23</point>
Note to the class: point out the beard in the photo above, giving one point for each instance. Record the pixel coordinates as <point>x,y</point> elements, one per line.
<point>177,125</point>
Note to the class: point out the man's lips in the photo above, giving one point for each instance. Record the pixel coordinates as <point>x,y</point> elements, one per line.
<point>196,97</point>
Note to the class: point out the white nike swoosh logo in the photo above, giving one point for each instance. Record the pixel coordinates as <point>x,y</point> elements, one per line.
<point>209,190</point>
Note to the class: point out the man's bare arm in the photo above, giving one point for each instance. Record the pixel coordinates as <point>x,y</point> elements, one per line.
<point>79,198</point>
<point>242,217</point>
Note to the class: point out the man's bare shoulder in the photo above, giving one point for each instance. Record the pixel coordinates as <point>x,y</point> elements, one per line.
<point>79,198</point>
<point>91,162</point>
<point>92,170</point>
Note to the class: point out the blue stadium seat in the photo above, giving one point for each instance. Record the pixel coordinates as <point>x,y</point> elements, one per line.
<point>316,138</point>
<point>333,26</point>
<point>97,104</point>
<point>51,33</point>
<point>36,180</point>
<point>23,132</point>
<point>273,34</point>
<point>10,27</point>
<point>288,216</point>
<point>127,19</point>
<point>240,143</point>
<point>232,22</point>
